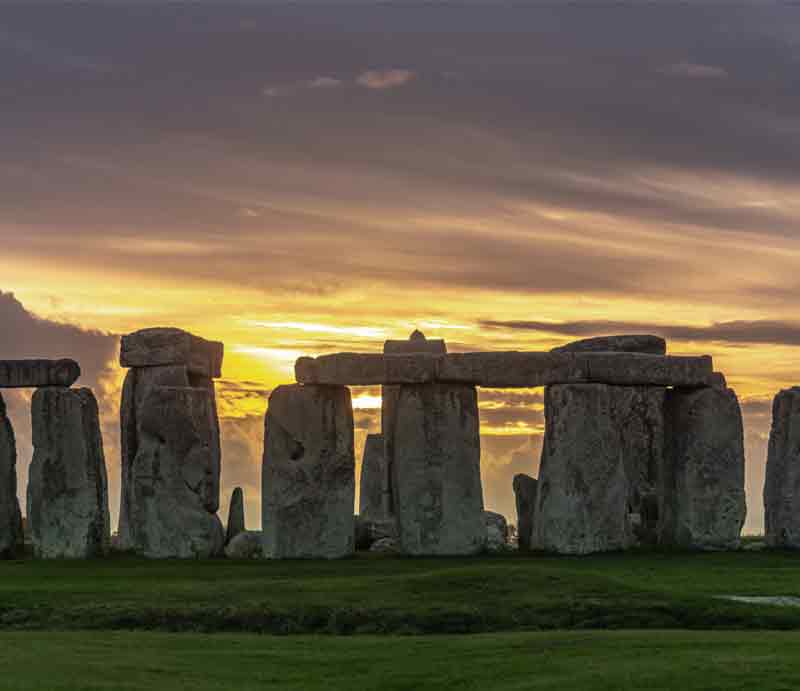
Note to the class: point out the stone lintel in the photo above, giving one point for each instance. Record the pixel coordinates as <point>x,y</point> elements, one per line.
<point>167,346</point>
<point>38,373</point>
<point>506,369</point>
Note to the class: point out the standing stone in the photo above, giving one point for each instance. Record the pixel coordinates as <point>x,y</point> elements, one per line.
<point>600,468</point>
<point>375,491</point>
<point>782,486</point>
<point>433,449</point>
<point>10,514</point>
<point>173,485</point>
<point>704,492</point>
<point>235,515</point>
<point>496,531</point>
<point>67,483</point>
<point>308,473</point>
<point>525,494</point>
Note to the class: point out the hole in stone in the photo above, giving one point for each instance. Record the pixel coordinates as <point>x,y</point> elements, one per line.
<point>297,451</point>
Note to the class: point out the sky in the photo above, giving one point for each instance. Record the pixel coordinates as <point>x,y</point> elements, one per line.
<point>298,179</point>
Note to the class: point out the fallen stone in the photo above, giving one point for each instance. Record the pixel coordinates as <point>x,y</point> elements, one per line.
<point>525,495</point>
<point>167,346</point>
<point>375,490</point>
<point>386,545</point>
<point>38,373</point>
<point>782,484</point>
<point>433,451</point>
<point>10,514</point>
<point>246,545</point>
<point>235,515</point>
<point>417,343</point>
<point>67,483</point>
<point>173,484</point>
<point>598,477</point>
<point>496,531</point>
<point>704,497</point>
<point>653,345</point>
<point>308,473</point>
<point>506,369</point>
<point>369,531</point>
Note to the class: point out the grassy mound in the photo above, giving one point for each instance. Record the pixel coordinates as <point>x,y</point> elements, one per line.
<point>369,595</point>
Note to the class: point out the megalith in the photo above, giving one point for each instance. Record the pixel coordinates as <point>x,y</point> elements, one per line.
<point>375,488</point>
<point>600,468</point>
<point>496,531</point>
<point>10,514</point>
<point>525,495</point>
<point>235,515</point>
<point>782,485</point>
<point>704,496</point>
<point>308,473</point>
<point>433,450</point>
<point>67,483</point>
<point>170,359</point>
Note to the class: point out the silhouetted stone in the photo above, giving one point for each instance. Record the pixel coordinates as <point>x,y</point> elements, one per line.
<point>168,346</point>
<point>599,473</point>
<point>246,545</point>
<point>506,369</point>
<point>38,373</point>
<point>67,484</point>
<point>417,343</point>
<point>374,495</point>
<point>639,343</point>
<point>782,485</point>
<point>496,531</point>
<point>10,515</point>
<point>433,449</point>
<point>525,495</point>
<point>718,381</point>
<point>235,515</point>
<point>704,497</point>
<point>308,473</point>
<point>173,483</point>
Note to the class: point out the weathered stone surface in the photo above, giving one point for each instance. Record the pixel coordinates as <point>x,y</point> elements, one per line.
<point>637,343</point>
<point>704,497</point>
<point>67,483</point>
<point>246,545</point>
<point>173,482</point>
<point>782,485</point>
<point>496,531</point>
<point>308,473</point>
<point>525,493</point>
<point>38,373</point>
<point>167,346</point>
<point>369,530</point>
<point>386,545</point>
<point>506,369</point>
<point>600,468</point>
<point>718,381</point>
<point>417,343</point>
<point>10,514</point>
<point>375,489</point>
<point>235,515</point>
<point>433,449</point>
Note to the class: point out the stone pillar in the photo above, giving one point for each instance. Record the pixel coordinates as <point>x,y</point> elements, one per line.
<point>782,485</point>
<point>235,515</point>
<point>308,473</point>
<point>433,449</point>
<point>10,514</point>
<point>375,490</point>
<point>67,484</point>
<point>704,495</point>
<point>162,362</point>
<point>600,468</point>
<point>525,495</point>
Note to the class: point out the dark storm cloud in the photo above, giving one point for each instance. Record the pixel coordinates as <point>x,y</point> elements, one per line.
<point>763,331</point>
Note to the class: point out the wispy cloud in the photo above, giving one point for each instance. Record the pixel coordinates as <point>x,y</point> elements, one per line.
<point>693,70</point>
<point>384,79</point>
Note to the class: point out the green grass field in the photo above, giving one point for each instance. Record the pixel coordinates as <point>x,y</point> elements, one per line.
<point>598,660</point>
<point>540,623</point>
